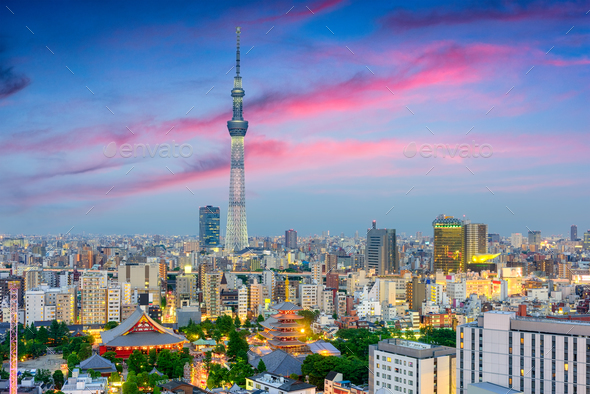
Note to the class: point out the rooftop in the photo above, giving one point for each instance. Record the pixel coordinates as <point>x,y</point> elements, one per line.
<point>413,349</point>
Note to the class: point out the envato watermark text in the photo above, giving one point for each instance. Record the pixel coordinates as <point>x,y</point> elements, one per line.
<point>141,150</point>
<point>442,150</point>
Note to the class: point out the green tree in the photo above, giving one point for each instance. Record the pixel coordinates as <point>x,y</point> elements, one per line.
<point>247,324</point>
<point>294,376</point>
<point>115,377</point>
<point>218,376</point>
<point>217,335</point>
<point>317,367</point>
<point>143,379</point>
<point>237,322</point>
<point>93,374</point>
<point>137,362</point>
<point>110,325</point>
<point>240,371</point>
<point>237,346</point>
<point>130,388</point>
<point>85,351</point>
<point>43,375</point>
<point>4,374</point>
<point>225,324</point>
<point>261,366</point>
<point>260,318</point>
<point>409,335</point>
<point>42,335</point>
<point>73,360</point>
<point>58,378</point>
<point>30,332</point>
<point>152,358</point>
<point>111,356</point>
<point>335,316</point>
<point>163,302</point>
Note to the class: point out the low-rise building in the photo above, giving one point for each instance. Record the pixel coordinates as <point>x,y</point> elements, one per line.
<point>276,384</point>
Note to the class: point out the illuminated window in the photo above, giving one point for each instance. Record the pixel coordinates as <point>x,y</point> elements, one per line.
<point>522,372</point>
<point>388,359</point>
<point>565,366</point>
<point>461,334</point>
<point>461,345</point>
<point>521,341</point>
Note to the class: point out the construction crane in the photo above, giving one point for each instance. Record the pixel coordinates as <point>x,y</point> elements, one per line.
<point>14,286</point>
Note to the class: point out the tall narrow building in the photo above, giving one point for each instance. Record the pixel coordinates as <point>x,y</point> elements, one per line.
<point>448,244</point>
<point>209,226</point>
<point>381,251</point>
<point>237,229</point>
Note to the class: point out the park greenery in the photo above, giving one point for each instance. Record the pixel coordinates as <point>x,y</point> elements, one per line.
<point>33,342</point>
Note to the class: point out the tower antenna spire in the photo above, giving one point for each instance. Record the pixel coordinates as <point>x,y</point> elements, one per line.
<point>238,31</point>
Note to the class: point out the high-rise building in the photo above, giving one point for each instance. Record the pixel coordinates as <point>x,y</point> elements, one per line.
<point>114,303</point>
<point>475,240</point>
<point>212,293</point>
<point>93,288</point>
<point>381,251</point>
<point>516,240</point>
<point>587,240</point>
<point>523,354</point>
<point>574,233</point>
<point>331,262</point>
<point>243,303</point>
<point>237,229</point>
<point>256,297</point>
<point>316,272</point>
<point>291,239</point>
<point>35,305</point>
<point>209,226</point>
<point>66,310</point>
<point>140,276</point>
<point>448,245</point>
<point>401,366</point>
<point>332,280</point>
<point>535,238</point>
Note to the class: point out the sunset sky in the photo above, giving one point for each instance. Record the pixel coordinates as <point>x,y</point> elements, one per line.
<point>334,93</point>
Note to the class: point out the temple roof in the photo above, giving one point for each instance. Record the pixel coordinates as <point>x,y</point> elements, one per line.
<point>97,363</point>
<point>286,306</point>
<point>123,336</point>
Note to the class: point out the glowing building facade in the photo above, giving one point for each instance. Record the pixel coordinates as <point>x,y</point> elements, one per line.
<point>448,245</point>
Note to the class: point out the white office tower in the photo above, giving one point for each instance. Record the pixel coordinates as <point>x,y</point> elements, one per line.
<point>530,355</point>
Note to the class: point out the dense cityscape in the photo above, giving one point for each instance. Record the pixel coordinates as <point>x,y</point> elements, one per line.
<point>459,307</point>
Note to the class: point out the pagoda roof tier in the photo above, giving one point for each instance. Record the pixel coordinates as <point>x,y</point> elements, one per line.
<point>288,334</point>
<point>287,316</point>
<point>267,334</point>
<point>276,343</point>
<point>287,325</point>
<point>286,306</point>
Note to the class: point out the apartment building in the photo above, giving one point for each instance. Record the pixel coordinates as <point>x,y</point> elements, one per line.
<point>93,289</point>
<point>66,310</point>
<point>243,303</point>
<point>532,355</point>
<point>114,303</point>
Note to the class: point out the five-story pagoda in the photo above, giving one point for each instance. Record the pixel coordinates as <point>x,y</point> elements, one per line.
<point>283,329</point>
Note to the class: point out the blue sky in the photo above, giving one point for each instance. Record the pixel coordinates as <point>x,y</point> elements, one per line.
<point>333,95</point>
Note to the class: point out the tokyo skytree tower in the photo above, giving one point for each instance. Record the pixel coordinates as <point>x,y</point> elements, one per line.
<point>237,229</point>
